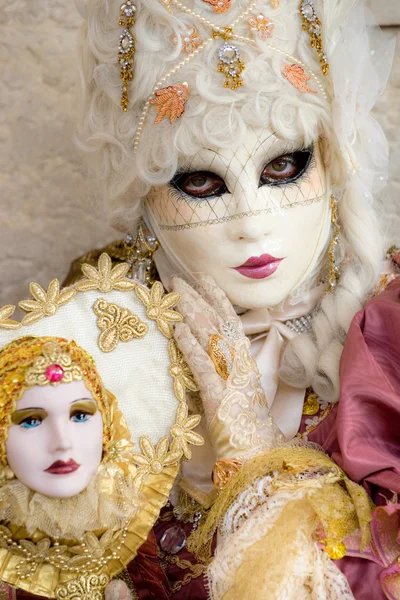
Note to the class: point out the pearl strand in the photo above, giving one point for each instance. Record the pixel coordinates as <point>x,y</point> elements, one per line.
<point>160,84</point>
<point>205,21</point>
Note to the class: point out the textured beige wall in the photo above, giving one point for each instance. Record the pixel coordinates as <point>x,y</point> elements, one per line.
<point>44,216</point>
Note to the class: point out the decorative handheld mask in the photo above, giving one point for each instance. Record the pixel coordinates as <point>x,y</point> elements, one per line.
<point>70,467</point>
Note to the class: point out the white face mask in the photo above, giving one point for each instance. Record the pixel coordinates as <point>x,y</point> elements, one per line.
<point>55,443</point>
<point>255,217</point>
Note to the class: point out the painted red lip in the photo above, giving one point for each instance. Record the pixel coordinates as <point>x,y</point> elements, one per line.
<point>259,267</point>
<point>63,468</point>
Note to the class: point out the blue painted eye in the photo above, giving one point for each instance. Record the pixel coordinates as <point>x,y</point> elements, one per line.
<point>31,422</point>
<point>80,417</point>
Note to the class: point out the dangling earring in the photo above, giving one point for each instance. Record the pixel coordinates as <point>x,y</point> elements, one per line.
<point>126,49</point>
<point>140,254</point>
<point>334,272</point>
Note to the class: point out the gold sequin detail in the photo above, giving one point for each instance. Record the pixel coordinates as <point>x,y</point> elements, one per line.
<point>117,324</point>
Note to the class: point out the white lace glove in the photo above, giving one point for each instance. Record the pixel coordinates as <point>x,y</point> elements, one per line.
<point>117,590</point>
<point>213,343</point>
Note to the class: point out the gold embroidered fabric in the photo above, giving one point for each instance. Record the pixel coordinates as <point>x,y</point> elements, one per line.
<point>117,324</point>
<point>90,588</point>
<point>243,424</point>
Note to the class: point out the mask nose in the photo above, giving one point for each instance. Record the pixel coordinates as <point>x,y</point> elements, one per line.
<point>59,437</point>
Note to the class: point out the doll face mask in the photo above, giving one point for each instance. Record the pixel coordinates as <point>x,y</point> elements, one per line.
<point>55,443</point>
<point>254,216</point>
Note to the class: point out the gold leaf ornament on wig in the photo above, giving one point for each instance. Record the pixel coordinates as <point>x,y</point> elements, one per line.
<point>296,75</point>
<point>170,102</point>
<point>44,303</point>
<point>179,370</point>
<point>182,433</point>
<point>117,324</point>
<point>5,322</point>
<point>159,306</point>
<point>106,277</point>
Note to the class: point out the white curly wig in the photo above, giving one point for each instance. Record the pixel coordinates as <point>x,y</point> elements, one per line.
<point>354,147</point>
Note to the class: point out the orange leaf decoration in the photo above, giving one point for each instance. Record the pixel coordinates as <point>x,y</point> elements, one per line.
<point>219,6</point>
<point>296,75</point>
<point>170,102</point>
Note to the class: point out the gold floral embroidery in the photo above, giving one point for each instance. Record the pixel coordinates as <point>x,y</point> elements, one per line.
<point>106,277</point>
<point>5,322</point>
<point>45,304</point>
<point>83,588</point>
<point>170,102</point>
<point>154,459</point>
<point>183,378</point>
<point>159,306</point>
<point>296,75</point>
<point>182,433</point>
<point>53,354</point>
<point>117,324</point>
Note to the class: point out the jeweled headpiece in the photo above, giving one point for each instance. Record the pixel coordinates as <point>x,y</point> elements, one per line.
<point>278,65</point>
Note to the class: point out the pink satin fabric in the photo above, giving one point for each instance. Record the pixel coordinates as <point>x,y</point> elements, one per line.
<point>362,434</point>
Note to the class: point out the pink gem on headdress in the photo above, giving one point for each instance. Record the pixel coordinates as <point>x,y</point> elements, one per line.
<point>54,373</point>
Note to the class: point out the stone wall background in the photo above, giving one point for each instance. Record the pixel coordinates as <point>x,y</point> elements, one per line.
<point>44,216</point>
